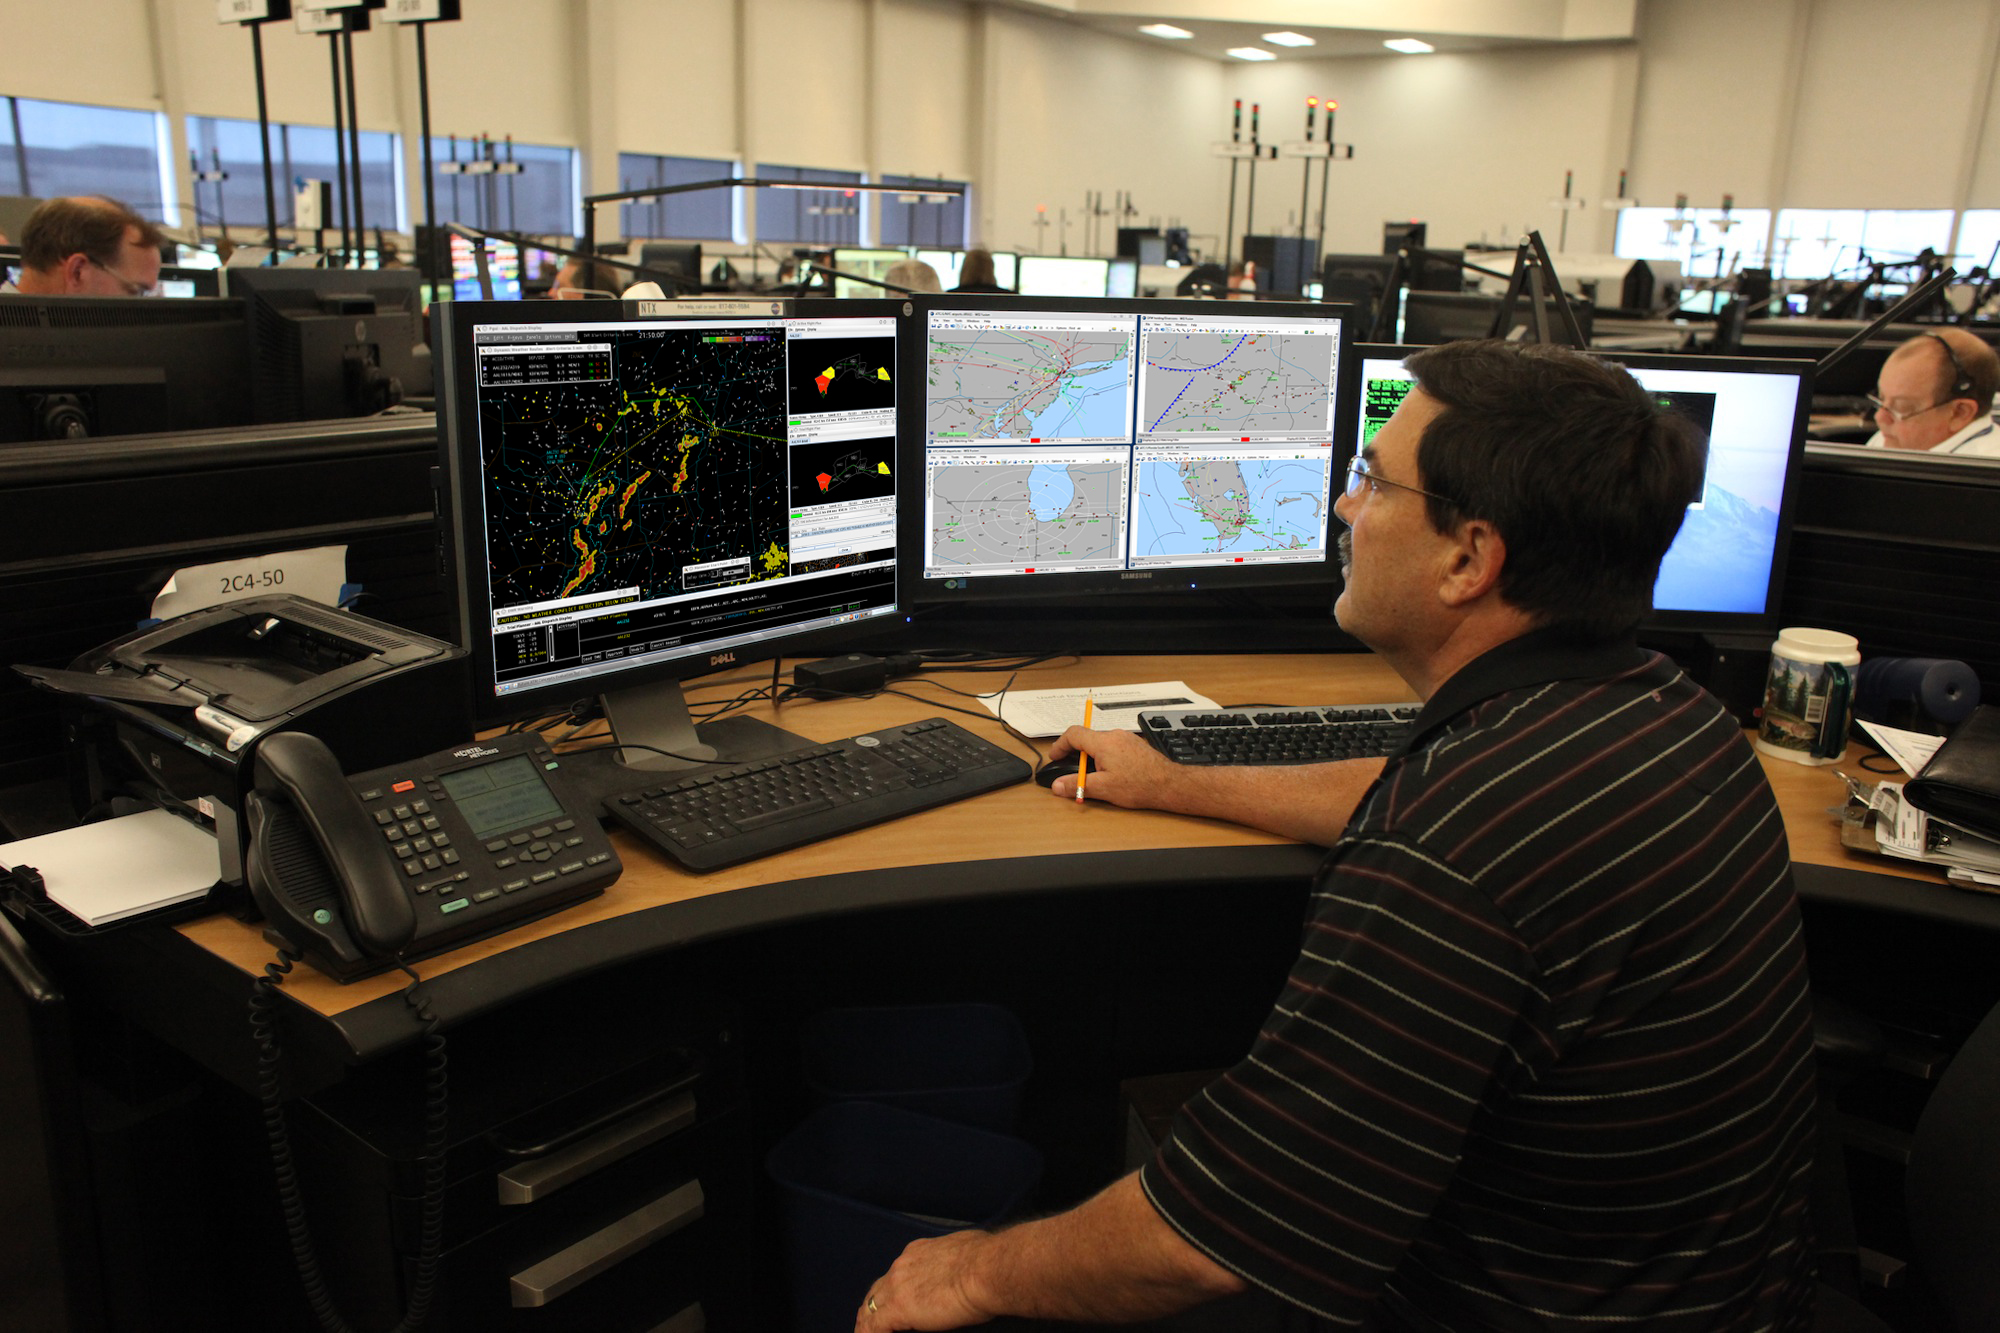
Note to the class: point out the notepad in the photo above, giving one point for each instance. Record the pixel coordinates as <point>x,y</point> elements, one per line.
<point>117,868</point>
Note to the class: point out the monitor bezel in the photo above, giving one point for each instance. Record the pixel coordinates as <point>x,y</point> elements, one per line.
<point>462,510</point>
<point>920,591</point>
<point>1675,621</point>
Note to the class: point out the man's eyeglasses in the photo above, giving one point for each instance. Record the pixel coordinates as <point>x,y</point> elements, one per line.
<point>1898,415</point>
<point>1361,477</point>
<point>131,288</point>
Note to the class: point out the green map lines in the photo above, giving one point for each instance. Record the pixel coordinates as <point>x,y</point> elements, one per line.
<point>669,475</point>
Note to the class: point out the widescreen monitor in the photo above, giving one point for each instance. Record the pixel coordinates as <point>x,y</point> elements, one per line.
<point>868,264</point>
<point>1053,275</point>
<point>1117,445</point>
<point>1006,266</point>
<point>946,262</point>
<point>1725,571</point>
<point>503,270</point>
<point>1123,279</point>
<point>635,500</point>
<point>328,342</point>
<point>77,366</point>
<point>1442,317</point>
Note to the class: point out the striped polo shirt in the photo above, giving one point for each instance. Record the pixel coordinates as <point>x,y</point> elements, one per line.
<point>1544,1061</point>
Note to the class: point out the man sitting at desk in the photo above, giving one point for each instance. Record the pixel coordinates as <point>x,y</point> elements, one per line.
<point>1544,1059</point>
<point>1935,393</point>
<point>87,246</point>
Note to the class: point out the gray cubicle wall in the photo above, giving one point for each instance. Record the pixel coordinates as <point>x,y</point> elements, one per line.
<point>94,528</point>
<point>1903,552</point>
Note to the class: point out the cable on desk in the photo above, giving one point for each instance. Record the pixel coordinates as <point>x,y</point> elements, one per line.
<point>291,1200</point>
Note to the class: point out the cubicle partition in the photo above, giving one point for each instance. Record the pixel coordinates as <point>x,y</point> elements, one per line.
<point>1903,552</point>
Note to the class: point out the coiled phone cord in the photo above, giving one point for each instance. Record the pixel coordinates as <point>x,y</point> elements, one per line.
<point>430,1231</point>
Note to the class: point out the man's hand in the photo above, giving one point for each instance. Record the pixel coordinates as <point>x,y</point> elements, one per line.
<point>1309,802</point>
<point>927,1287</point>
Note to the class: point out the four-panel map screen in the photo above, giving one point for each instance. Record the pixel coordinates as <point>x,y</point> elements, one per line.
<point>1100,439</point>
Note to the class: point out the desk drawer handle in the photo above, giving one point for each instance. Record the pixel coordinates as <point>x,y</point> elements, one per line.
<point>570,1268</point>
<point>526,1182</point>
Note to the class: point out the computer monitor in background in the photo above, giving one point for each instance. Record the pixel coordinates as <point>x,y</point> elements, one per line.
<point>680,259</point>
<point>1006,265</point>
<point>867,264</point>
<point>1050,275</point>
<point>1725,571</point>
<point>77,366</point>
<point>946,262</point>
<point>637,501</point>
<point>1122,279</point>
<point>1443,317</point>
<point>1075,446</point>
<point>503,270</point>
<point>328,343</point>
<point>1356,280</point>
<point>178,281</point>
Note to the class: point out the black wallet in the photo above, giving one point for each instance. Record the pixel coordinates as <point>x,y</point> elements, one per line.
<point>1961,783</point>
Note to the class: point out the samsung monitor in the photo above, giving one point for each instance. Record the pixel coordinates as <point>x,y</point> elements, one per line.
<point>1051,275</point>
<point>1075,446</point>
<point>327,342</point>
<point>79,366</point>
<point>503,270</point>
<point>636,499</point>
<point>1725,571</point>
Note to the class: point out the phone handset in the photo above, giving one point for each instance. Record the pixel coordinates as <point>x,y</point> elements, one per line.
<point>318,867</point>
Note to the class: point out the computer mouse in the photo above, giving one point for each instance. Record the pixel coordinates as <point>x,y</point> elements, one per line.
<point>1058,768</point>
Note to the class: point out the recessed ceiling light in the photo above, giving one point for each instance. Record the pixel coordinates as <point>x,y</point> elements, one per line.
<point>1288,39</point>
<point>1410,46</point>
<point>1166,30</point>
<point>1251,53</point>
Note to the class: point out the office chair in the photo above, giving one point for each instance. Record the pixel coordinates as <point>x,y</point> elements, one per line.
<point>1950,1190</point>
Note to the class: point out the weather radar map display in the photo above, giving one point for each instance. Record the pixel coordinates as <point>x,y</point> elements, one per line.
<point>1088,440</point>
<point>651,484</point>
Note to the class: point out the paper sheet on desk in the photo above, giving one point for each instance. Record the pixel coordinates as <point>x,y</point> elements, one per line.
<point>1115,707</point>
<point>1910,749</point>
<point>107,871</point>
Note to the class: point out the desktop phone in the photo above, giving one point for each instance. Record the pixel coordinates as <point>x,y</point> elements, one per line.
<point>355,871</point>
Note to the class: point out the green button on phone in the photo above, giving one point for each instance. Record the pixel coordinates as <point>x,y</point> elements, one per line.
<point>322,916</point>
<point>454,905</point>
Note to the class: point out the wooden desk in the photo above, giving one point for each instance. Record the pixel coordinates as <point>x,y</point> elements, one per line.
<point>1010,842</point>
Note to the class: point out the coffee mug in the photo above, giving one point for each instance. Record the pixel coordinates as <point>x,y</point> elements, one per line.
<point>1808,696</point>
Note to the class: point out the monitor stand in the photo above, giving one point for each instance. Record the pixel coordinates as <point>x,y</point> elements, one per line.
<point>656,717</point>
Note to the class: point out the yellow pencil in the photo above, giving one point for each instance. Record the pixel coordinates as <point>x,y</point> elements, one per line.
<point>1083,763</point>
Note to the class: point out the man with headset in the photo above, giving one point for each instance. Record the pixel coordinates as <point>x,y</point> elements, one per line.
<point>1935,394</point>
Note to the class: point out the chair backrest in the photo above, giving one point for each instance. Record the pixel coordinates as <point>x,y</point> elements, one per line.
<point>1953,1183</point>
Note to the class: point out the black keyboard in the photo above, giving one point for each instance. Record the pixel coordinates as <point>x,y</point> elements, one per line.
<point>1277,735</point>
<point>722,816</point>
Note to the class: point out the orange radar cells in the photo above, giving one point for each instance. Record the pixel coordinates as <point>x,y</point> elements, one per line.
<point>824,378</point>
<point>824,480</point>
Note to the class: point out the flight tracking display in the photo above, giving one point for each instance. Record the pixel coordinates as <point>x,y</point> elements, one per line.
<point>653,487</point>
<point>1112,438</point>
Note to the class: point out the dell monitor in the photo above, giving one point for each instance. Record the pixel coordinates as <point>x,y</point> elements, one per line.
<point>1050,275</point>
<point>327,342</point>
<point>637,499</point>
<point>1077,446</point>
<point>1725,571</point>
<point>78,366</point>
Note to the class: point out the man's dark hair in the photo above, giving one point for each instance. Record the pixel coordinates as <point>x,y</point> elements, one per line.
<point>978,267</point>
<point>1584,475</point>
<point>86,225</point>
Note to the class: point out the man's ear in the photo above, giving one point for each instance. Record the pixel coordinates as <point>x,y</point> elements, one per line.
<point>72,271</point>
<point>1474,562</point>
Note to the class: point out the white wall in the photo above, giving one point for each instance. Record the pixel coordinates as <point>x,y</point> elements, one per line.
<point>1813,103</point>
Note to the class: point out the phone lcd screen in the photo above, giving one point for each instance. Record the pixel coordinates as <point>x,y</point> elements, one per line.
<point>502,796</point>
